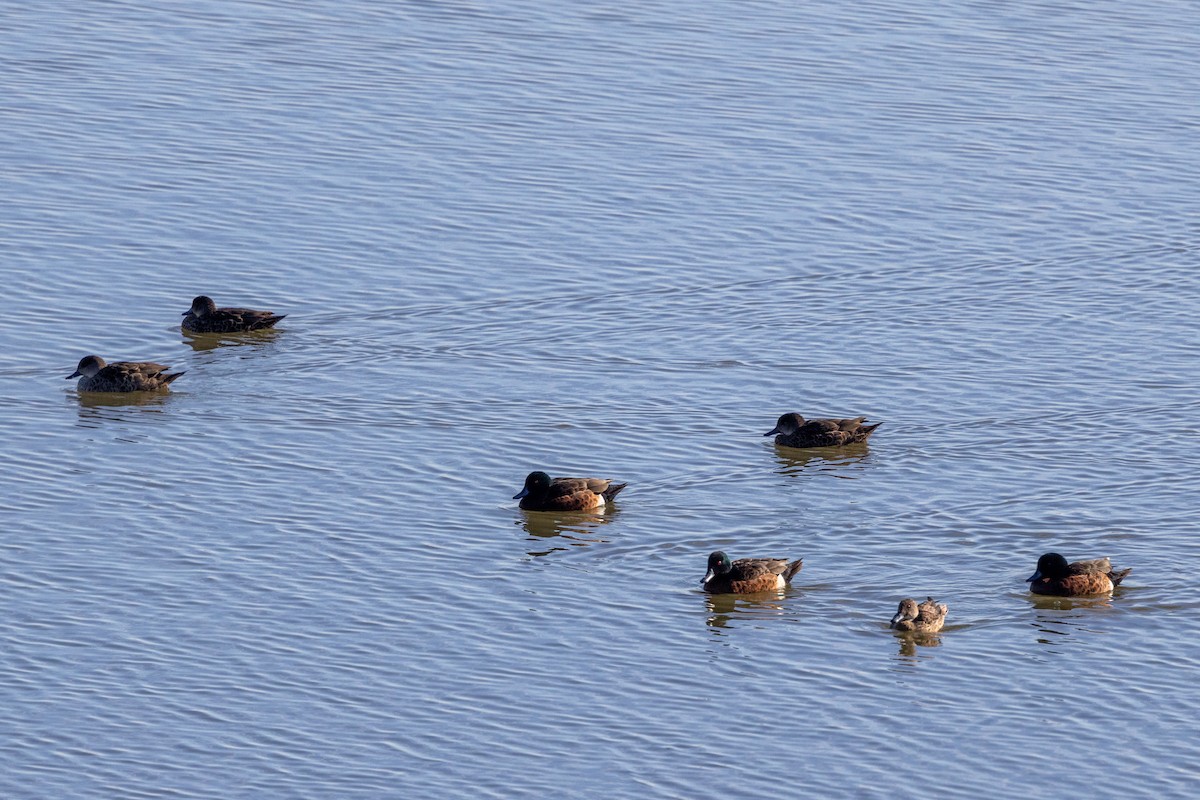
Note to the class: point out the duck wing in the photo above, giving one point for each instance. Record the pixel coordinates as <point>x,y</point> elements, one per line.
<point>564,486</point>
<point>1089,567</point>
<point>931,611</point>
<point>135,376</point>
<point>749,568</point>
<point>249,319</point>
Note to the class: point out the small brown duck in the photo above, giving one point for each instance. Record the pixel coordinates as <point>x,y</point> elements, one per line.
<point>205,317</point>
<point>123,376</point>
<point>748,575</point>
<point>543,493</point>
<point>1055,576</point>
<point>928,617</point>
<point>793,430</point>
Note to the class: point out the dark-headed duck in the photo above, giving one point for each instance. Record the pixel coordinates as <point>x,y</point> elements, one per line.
<point>793,430</point>
<point>748,575</point>
<point>543,493</point>
<point>1055,576</point>
<point>205,317</point>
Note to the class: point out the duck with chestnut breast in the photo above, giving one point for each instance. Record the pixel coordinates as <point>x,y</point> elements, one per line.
<point>205,317</point>
<point>793,430</point>
<point>543,493</point>
<point>748,575</point>
<point>122,376</point>
<point>1054,576</point>
<point>928,617</point>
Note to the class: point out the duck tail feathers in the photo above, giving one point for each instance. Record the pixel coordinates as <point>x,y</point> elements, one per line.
<point>792,569</point>
<point>612,490</point>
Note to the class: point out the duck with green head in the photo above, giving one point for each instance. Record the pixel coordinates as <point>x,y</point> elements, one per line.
<point>543,493</point>
<point>748,575</point>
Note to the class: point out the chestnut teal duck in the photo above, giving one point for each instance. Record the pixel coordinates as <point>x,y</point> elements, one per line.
<point>927,617</point>
<point>748,575</point>
<point>543,493</point>
<point>1054,576</point>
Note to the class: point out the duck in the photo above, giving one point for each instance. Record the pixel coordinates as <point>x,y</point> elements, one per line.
<point>928,617</point>
<point>543,493</point>
<point>205,317</point>
<point>122,376</point>
<point>1054,576</point>
<point>793,430</point>
<point>748,575</point>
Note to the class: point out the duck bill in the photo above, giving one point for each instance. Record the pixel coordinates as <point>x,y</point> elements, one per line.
<point>773,432</point>
<point>1037,576</point>
<point>521,493</point>
<point>75,374</point>
<point>708,576</point>
<point>184,314</point>
<point>898,618</point>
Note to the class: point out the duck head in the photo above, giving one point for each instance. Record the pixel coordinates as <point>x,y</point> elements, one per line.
<point>535,483</point>
<point>718,564</point>
<point>201,305</point>
<point>786,424</point>
<point>1049,566</point>
<point>907,611</point>
<point>88,366</point>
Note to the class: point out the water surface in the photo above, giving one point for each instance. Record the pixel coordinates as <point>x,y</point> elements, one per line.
<point>607,241</point>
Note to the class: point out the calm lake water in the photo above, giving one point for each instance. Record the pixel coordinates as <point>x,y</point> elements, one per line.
<point>614,240</point>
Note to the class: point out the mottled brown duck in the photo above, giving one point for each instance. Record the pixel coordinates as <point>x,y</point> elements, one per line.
<point>205,317</point>
<point>928,617</point>
<point>122,376</point>
<point>793,430</point>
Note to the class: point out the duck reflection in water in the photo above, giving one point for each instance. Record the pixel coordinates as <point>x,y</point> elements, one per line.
<point>573,528</point>
<point>122,399</point>
<point>201,342</point>
<point>795,460</point>
<point>910,642</point>
<point>726,610</point>
<point>97,408</point>
<point>1056,618</point>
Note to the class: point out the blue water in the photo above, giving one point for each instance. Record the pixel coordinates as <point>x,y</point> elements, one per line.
<point>614,241</point>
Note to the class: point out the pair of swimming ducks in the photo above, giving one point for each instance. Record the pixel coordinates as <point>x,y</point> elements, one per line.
<point>95,375</point>
<point>543,493</point>
<point>1054,575</point>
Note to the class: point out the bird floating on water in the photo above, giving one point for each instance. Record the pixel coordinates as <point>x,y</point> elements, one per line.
<point>205,317</point>
<point>121,376</point>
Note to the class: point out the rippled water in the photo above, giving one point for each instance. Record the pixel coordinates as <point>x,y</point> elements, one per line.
<point>599,240</point>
